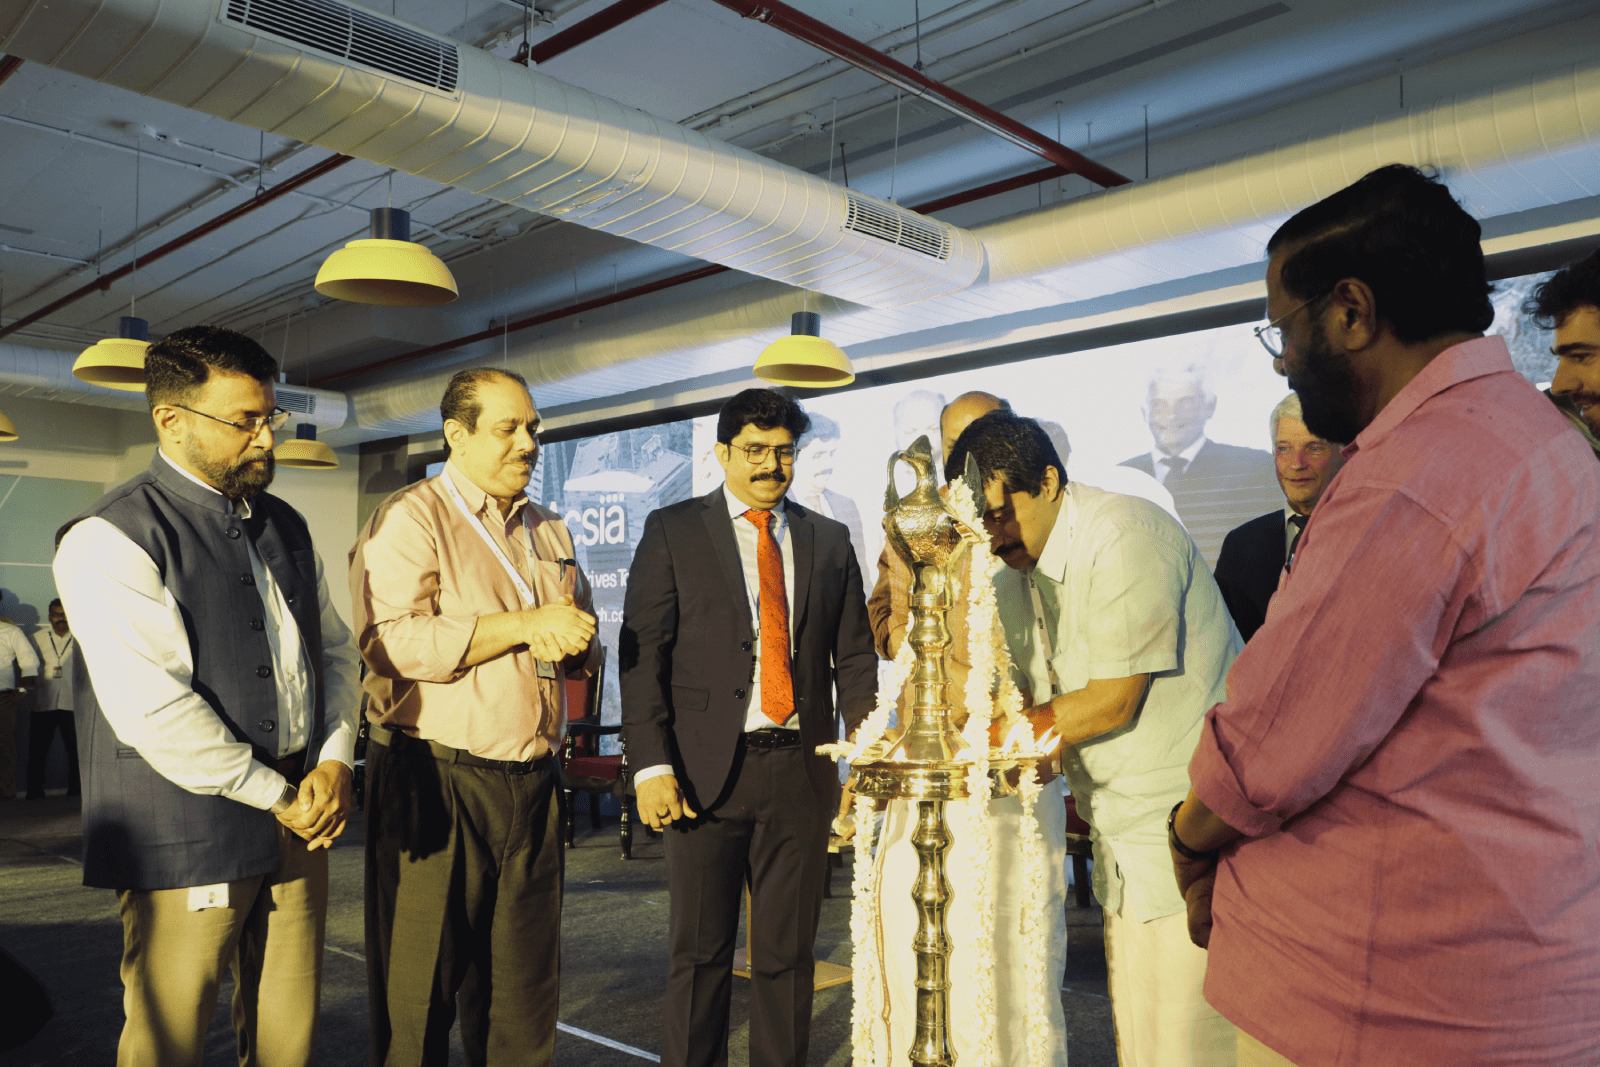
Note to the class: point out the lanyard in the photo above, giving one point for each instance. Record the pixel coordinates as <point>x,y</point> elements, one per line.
<point>472,520</point>
<point>62,650</point>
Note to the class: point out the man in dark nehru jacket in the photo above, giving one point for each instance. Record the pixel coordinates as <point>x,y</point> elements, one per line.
<point>1390,846</point>
<point>219,726</point>
<point>741,610</point>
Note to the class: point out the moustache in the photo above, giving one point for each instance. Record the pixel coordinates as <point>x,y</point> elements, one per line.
<point>1007,549</point>
<point>769,476</point>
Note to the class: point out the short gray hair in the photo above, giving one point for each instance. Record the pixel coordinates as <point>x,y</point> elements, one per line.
<point>1290,406</point>
<point>1194,372</point>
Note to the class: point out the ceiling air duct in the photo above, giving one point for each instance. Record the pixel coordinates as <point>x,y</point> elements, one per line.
<point>370,86</point>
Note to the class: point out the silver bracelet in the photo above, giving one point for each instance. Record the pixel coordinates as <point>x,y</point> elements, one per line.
<point>290,795</point>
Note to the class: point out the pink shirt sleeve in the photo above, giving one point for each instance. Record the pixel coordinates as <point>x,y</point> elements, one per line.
<point>1292,727</point>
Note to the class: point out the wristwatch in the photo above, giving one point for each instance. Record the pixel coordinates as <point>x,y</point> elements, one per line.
<point>1183,849</point>
<point>290,795</point>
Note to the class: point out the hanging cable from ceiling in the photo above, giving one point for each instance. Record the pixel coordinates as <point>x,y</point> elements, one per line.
<point>916,8</point>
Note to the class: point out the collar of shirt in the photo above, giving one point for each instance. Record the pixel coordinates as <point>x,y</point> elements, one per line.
<point>1456,364</point>
<point>737,508</point>
<point>241,506</point>
<point>479,502</point>
<point>1053,560</point>
<point>1187,455</point>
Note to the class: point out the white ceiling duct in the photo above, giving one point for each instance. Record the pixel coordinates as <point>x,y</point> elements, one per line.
<point>358,82</point>
<point>46,374</point>
<point>1509,149</point>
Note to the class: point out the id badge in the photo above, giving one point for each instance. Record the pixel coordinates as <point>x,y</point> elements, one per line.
<point>56,673</point>
<point>546,669</point>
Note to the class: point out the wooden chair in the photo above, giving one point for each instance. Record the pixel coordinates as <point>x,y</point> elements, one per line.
<point>584,769</point>
<point>1080,849</point>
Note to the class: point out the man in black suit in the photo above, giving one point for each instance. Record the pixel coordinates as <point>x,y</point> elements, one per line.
<point>1213,485</point>
<point>1253,555</point>
<point>741,610</point>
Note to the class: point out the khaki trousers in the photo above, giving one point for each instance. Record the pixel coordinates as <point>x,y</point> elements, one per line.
<point>1253,1053</point>
<point>270,935</point>
<point>9,700</point>
<point>1155,974</point>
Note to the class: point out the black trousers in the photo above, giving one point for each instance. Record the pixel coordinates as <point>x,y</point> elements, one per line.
<point>773,831</point>
<point>463,907</point>
<point>41,734</point>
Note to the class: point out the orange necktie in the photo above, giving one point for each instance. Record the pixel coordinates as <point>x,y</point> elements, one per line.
<point>777,684</point>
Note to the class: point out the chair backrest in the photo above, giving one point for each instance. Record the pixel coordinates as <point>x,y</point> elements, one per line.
<point>583,702</point>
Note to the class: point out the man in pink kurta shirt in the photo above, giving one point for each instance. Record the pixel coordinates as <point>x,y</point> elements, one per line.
<point>1406,772</point>
<point>470,612</point>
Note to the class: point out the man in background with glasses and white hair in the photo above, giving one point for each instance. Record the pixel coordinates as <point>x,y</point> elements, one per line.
<point>217,692</point>
<point>1253,555</point>
<point>1214,486</point>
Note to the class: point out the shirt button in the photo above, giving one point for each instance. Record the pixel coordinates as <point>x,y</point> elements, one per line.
<point>738,694</point>
<point>257,624</point>
<point>266,726</point>
<point>233,532</point>
<point>263,671</point>
<point>746,646</point>
<point>247,579</point>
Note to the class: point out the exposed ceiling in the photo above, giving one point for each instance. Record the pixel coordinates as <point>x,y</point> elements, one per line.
<point>91,173</point>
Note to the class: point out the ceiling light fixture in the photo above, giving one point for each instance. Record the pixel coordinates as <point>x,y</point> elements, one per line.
<point>804,359</point>
<point>8,429</point>
<point>305,451</point>
<point>387,268</point>
<point>116,362</point>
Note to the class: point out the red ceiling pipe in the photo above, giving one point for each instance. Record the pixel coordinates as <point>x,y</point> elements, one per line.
<point>8,67</point>
<point>103,282</point>
<point>1005,185</point>
<point>590,28</point>
<point>804,27</point>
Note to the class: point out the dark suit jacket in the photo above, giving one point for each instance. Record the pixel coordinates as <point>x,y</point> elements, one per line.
<point>1247,572</point>
<point>1222,487</point>
<point>686,641</point>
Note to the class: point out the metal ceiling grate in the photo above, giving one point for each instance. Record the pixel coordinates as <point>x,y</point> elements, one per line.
<point>896,227</point>
<point>291,399</point>
<point>353,35</point>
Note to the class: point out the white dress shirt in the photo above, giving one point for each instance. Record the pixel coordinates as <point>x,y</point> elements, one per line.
<point>1158,459</point>
<point>56,653</point>
<point>745,534</point>
<point>14,645</point>
<point>1132,596</point>
<point>137,653</point>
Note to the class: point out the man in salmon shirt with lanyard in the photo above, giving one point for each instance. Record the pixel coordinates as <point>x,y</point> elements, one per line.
<point>470,613</point>
<point>1405,775</point>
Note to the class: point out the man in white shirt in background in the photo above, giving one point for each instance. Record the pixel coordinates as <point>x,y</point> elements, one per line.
<point>52,706</point>
<point>1126,643</point>
<point>15,648</point>
<point>220,723</point>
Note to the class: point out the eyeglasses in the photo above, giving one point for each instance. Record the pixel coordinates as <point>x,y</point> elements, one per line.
<point>1271,337</point>
<point>757,454</point>
<point>251,426</point>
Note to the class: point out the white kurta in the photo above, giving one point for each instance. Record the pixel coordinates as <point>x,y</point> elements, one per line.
<point>1010,895</point>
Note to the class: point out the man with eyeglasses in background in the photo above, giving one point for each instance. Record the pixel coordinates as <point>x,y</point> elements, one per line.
<point>217,691</point>
<point>1254,554</point>
<point>1390,845</point>
<point>744,612</point>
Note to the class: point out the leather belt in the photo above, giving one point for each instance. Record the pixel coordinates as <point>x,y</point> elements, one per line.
<point>765,740</point>
<point>398,739</point>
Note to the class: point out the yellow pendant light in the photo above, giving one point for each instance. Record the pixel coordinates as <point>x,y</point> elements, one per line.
<point>387,268</point>
<point>804,359</point>
<point>116,362</point>
<point>8,429</point>
<point>305,451</point>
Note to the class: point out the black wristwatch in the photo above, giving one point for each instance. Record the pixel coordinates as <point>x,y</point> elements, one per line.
<point>1172,837</point>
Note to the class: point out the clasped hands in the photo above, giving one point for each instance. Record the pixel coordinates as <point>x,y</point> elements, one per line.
<point>557,631</point>
<point>319,814</point>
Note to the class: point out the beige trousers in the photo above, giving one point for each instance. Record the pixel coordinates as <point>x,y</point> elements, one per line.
<point>270,935</point>
<point>1253,1053</point>
<point>1155,974</point>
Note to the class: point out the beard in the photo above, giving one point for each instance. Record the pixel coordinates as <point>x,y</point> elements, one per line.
<point>239,480</point>
<point>1326,384</point>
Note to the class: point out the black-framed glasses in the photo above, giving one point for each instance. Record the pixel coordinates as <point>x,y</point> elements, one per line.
<point>757,454</point>
<point>1271,336</point>
<point>251,426</point>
